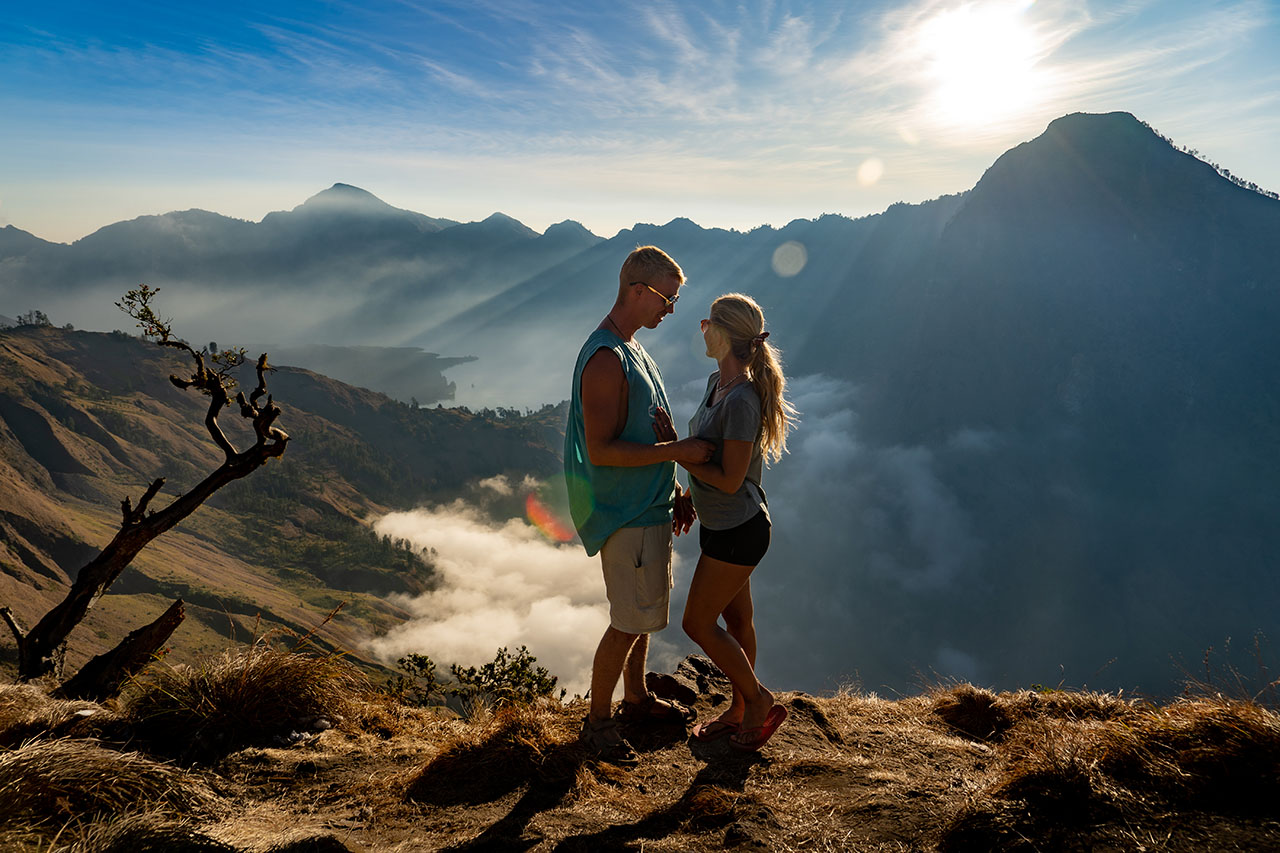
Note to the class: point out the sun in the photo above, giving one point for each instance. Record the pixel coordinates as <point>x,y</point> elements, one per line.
<point>980,59</point>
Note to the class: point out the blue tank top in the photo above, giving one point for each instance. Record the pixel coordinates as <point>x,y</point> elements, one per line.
<point>606,498</point>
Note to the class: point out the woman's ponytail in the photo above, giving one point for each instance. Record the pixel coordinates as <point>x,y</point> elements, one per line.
<point>739,314</point>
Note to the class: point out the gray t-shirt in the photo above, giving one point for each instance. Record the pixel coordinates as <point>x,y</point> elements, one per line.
<point>735,417</point>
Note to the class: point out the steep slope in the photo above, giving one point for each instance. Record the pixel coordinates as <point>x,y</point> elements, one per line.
<point>88,419</point>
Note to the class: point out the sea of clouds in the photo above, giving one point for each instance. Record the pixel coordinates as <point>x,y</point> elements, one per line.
<point>858,531</point>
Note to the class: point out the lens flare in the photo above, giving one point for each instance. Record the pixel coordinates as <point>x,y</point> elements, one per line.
<point>541,517</point>
<point>871,170</point>
<point>789,259</point>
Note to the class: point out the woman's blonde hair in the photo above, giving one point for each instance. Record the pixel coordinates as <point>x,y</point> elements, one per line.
<point>740,316</point>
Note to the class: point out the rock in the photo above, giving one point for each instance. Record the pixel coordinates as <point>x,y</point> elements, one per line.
<point>805,705</point>
<point>669,687</point>
<point>703,676</point>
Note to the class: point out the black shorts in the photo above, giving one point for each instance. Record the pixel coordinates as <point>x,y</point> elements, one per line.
<point>743,545</point>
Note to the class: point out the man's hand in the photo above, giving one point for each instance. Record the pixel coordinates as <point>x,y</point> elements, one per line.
<point>684,513</point>
<point>688,451</point>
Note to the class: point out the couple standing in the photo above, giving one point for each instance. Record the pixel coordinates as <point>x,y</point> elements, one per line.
<point>620,457</point>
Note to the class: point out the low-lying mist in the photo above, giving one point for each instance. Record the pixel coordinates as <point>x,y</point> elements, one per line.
<point>890,567</point>
<point>502,583</point>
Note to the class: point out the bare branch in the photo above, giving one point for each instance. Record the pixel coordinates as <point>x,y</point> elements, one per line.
<point>217,402</point>
<point>102,676</point>
<point>9,619</point>
<point>41,647</point>
<point>151,492</point>
<point>133,516</point>
<point>262,369</point>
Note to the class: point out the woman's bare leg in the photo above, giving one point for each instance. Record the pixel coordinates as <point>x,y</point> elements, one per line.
<point>715,586</point>
<point>738,619</point>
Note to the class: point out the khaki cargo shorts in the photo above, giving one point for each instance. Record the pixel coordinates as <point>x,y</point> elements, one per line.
<point>637,578</point>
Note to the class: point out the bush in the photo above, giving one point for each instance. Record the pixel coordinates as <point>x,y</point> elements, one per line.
<point>507,680</point>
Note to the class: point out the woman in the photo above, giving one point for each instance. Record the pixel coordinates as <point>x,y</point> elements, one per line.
<point>743,413</point>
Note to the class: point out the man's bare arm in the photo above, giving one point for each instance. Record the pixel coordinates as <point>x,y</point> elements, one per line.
<point>604,394</point>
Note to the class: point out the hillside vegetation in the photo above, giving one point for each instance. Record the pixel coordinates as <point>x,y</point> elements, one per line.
<point>297,753</point>
<point>88,419</point>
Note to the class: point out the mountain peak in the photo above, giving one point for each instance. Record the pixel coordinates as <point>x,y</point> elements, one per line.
<point>1094,163</point>
<point>566,228</point>
<point>345,196</point>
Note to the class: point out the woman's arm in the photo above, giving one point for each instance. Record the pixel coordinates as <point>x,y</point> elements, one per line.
<point>732,470</point>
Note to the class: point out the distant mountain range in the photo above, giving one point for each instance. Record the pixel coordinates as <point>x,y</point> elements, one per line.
<point>1041,427</point>
<point>343,268</point>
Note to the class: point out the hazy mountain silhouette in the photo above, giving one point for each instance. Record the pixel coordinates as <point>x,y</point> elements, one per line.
<point>368,273</point>
<point>1039,417</point>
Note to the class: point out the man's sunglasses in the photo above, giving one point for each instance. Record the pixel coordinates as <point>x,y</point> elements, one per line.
<point>670,300</point>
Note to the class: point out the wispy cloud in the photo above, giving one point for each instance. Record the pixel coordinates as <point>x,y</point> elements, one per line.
<point>783,101</point>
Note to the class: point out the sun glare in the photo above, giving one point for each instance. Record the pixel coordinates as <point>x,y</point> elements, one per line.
<point>981,58</point>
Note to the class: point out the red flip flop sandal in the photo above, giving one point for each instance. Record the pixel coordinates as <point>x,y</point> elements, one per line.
<point>750,740</point>
<point>714,730</point>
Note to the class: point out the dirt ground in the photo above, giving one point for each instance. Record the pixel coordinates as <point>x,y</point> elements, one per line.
<point>846,773</point>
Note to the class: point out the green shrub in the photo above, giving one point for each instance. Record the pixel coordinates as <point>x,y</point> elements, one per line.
<point>507,680</point>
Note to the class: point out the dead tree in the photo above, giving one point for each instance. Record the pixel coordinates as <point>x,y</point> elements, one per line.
<point>40,650</point>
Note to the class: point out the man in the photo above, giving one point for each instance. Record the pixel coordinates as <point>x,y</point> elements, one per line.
<point>623,494</point>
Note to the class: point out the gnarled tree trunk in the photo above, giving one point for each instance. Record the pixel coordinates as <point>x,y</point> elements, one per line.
<point>41,648</point>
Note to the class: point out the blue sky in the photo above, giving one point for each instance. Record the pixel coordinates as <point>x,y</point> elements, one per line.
<point>732,114</point>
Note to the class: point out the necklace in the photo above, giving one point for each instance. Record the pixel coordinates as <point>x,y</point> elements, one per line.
<point>722,385</point>
<point>616,327</point>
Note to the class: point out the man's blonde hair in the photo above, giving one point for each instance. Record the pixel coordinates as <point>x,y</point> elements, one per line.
<point>649,264</point>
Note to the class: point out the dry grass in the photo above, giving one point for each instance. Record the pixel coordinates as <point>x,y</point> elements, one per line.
<point>959,769</point>
<point>26,713</point>
<point>240,698</point>
<point>46,782</point>
<point>144,833</point>
<point>1076,762</point>
<point>1210,752</point>
<point>983,715</point>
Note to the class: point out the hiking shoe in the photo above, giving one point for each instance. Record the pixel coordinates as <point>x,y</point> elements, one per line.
<point>606,743</point>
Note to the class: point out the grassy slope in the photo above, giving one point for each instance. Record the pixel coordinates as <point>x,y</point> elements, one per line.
<point>89,419</point>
